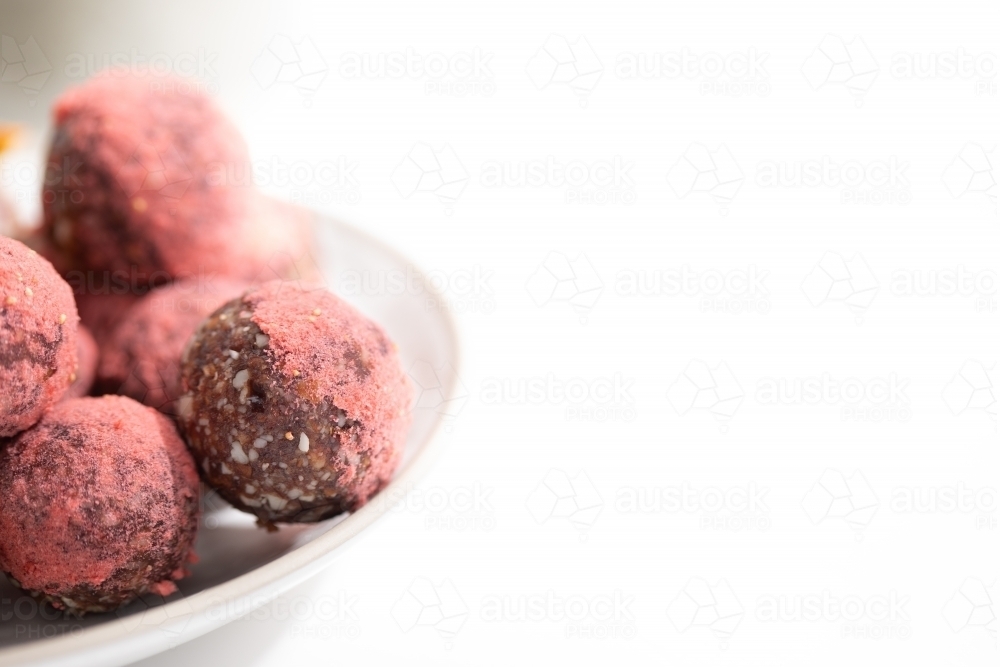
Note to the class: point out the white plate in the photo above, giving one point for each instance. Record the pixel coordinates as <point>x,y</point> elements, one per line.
<point>242,567</point>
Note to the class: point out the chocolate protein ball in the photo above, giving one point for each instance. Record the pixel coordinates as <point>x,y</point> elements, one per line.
<point>147,178</point>
<point>100,505</point>
<point>86,364</point>
<point>142,357</point>
<point>296,407</point>
<point>38,328</point>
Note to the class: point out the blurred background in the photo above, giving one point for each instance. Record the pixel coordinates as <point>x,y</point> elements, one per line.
<point>667,141</point>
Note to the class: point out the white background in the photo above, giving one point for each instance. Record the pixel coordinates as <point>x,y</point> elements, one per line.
<point>912,567</point>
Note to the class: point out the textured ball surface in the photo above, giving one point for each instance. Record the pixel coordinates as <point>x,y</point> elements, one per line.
<point>296,407</point>
<point>101,313</point>
<point>146,176</point>
<point>38,328</point>
<point>142,357</point>
<point>87,356</point>
<point>100,505</point>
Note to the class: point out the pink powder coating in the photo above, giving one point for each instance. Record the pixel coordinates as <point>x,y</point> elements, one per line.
<point>152,176</point>
<point>38,329</point>
<point>101,313</point>
<point>86,367</point>
<point>100,502</point>
<point>342,357</point>
<point>142,357</point>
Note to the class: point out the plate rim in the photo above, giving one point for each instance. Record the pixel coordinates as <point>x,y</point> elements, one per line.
<point>93,645</point>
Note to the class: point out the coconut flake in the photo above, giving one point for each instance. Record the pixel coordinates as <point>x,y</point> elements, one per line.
<point>238,454</point>
<point>240,379</point>
<point>276,502</point>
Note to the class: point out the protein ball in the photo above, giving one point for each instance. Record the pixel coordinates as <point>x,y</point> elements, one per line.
<point>146,177</point>
<point>101,312</point>
<point>142,357</point>
<point>38,326</point>
<point>86,366</point>
<point>296,408</point>
<point>100,505</point>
